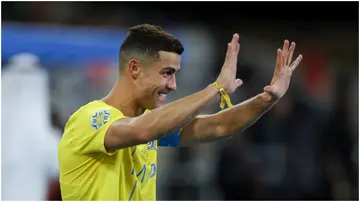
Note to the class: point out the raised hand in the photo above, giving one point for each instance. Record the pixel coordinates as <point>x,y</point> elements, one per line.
<point>227,77</point>
<point>283,70</point>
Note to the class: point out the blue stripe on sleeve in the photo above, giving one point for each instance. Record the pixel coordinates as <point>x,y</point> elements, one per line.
<point>172,140</point>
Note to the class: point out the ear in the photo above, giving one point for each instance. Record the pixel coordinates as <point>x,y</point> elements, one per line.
<point>134,67</point>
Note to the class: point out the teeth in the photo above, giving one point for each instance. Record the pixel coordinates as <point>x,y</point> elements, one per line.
<point>162,94</point>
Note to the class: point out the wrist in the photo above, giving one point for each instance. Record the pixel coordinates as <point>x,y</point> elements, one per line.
<point>214,91</point>
<point>225,98</point>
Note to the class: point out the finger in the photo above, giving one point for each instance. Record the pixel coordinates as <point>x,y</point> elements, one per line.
<point>235,39</point>
<point>283,64</point>
<point>236,53</point>
<point>296,62</point>
<point>277,66</point>
<point>285,50</point>
<point>235,45</point>
<point>232,47</point>
<point>282,61</point>
<point>238,82</point>
<point>238,48</point>
<point>286,45</point>
<point>228,53</point>
<point>268,89</point>
<point>278,59</point>
<point>291,52</point>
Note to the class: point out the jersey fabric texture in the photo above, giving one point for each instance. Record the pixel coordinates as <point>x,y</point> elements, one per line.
<point>89,172</point>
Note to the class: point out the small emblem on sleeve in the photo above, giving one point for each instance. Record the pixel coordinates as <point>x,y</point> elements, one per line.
<point>99,119</point>
<point>151,145</point>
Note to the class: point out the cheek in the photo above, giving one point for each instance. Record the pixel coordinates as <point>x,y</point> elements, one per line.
<point>158,82</point>
<point>150,84</point>
<point>148,87</point>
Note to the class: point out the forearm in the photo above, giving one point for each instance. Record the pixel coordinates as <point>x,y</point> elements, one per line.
<point>243,115</point>
<point>161,121</point>
<point>225,123</point>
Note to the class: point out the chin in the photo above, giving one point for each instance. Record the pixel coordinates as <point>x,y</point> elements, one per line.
<point>153,106</point>
<point>157,105</point>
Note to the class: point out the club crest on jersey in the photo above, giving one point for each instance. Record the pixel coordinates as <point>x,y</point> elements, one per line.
<point>151,145</point>
<point>99,119</point>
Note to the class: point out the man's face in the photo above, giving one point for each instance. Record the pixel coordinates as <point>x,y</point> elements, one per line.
<point>157,79</point>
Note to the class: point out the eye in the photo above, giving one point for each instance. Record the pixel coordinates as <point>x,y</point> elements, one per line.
<point>168,73</point>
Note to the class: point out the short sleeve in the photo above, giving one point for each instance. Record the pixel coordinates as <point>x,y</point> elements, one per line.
<point>88,127</point>
<point>172,140</point>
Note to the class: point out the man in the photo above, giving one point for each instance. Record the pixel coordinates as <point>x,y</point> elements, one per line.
<point>109,147</point>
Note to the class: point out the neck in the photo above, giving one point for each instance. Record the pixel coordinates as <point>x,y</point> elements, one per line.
<point>122,97</point>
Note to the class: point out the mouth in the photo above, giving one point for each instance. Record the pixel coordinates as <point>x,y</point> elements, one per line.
<point>162,95</point>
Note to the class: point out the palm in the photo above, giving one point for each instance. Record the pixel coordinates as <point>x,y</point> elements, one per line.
<point>283,70</point>
<point>227,77</point>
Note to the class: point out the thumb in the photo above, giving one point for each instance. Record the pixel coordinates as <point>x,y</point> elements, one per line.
<point>268,89</point>
<point>238,82</point>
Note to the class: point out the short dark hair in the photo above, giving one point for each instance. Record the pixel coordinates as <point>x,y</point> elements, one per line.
<point>147,40</point>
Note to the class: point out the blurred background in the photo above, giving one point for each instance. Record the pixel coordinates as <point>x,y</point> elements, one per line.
<point>58,56</point>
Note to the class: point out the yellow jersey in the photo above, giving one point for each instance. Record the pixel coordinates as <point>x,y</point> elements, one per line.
<point>89,172</point>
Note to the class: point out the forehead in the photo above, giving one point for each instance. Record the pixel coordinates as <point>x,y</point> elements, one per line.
<point>169,59</point>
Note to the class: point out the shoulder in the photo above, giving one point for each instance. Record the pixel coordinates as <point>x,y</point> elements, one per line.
<point>88,121</point>
<point>95,113</point>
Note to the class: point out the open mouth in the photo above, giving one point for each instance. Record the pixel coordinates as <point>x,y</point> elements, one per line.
<point>162,94</point>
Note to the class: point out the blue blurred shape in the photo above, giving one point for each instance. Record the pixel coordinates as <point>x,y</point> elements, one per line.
<point>61,45</point>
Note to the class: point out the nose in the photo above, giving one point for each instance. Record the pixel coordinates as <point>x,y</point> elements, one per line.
<point>172,83</point>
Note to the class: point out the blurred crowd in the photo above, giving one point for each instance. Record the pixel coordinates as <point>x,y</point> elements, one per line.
<point>305,148</point>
